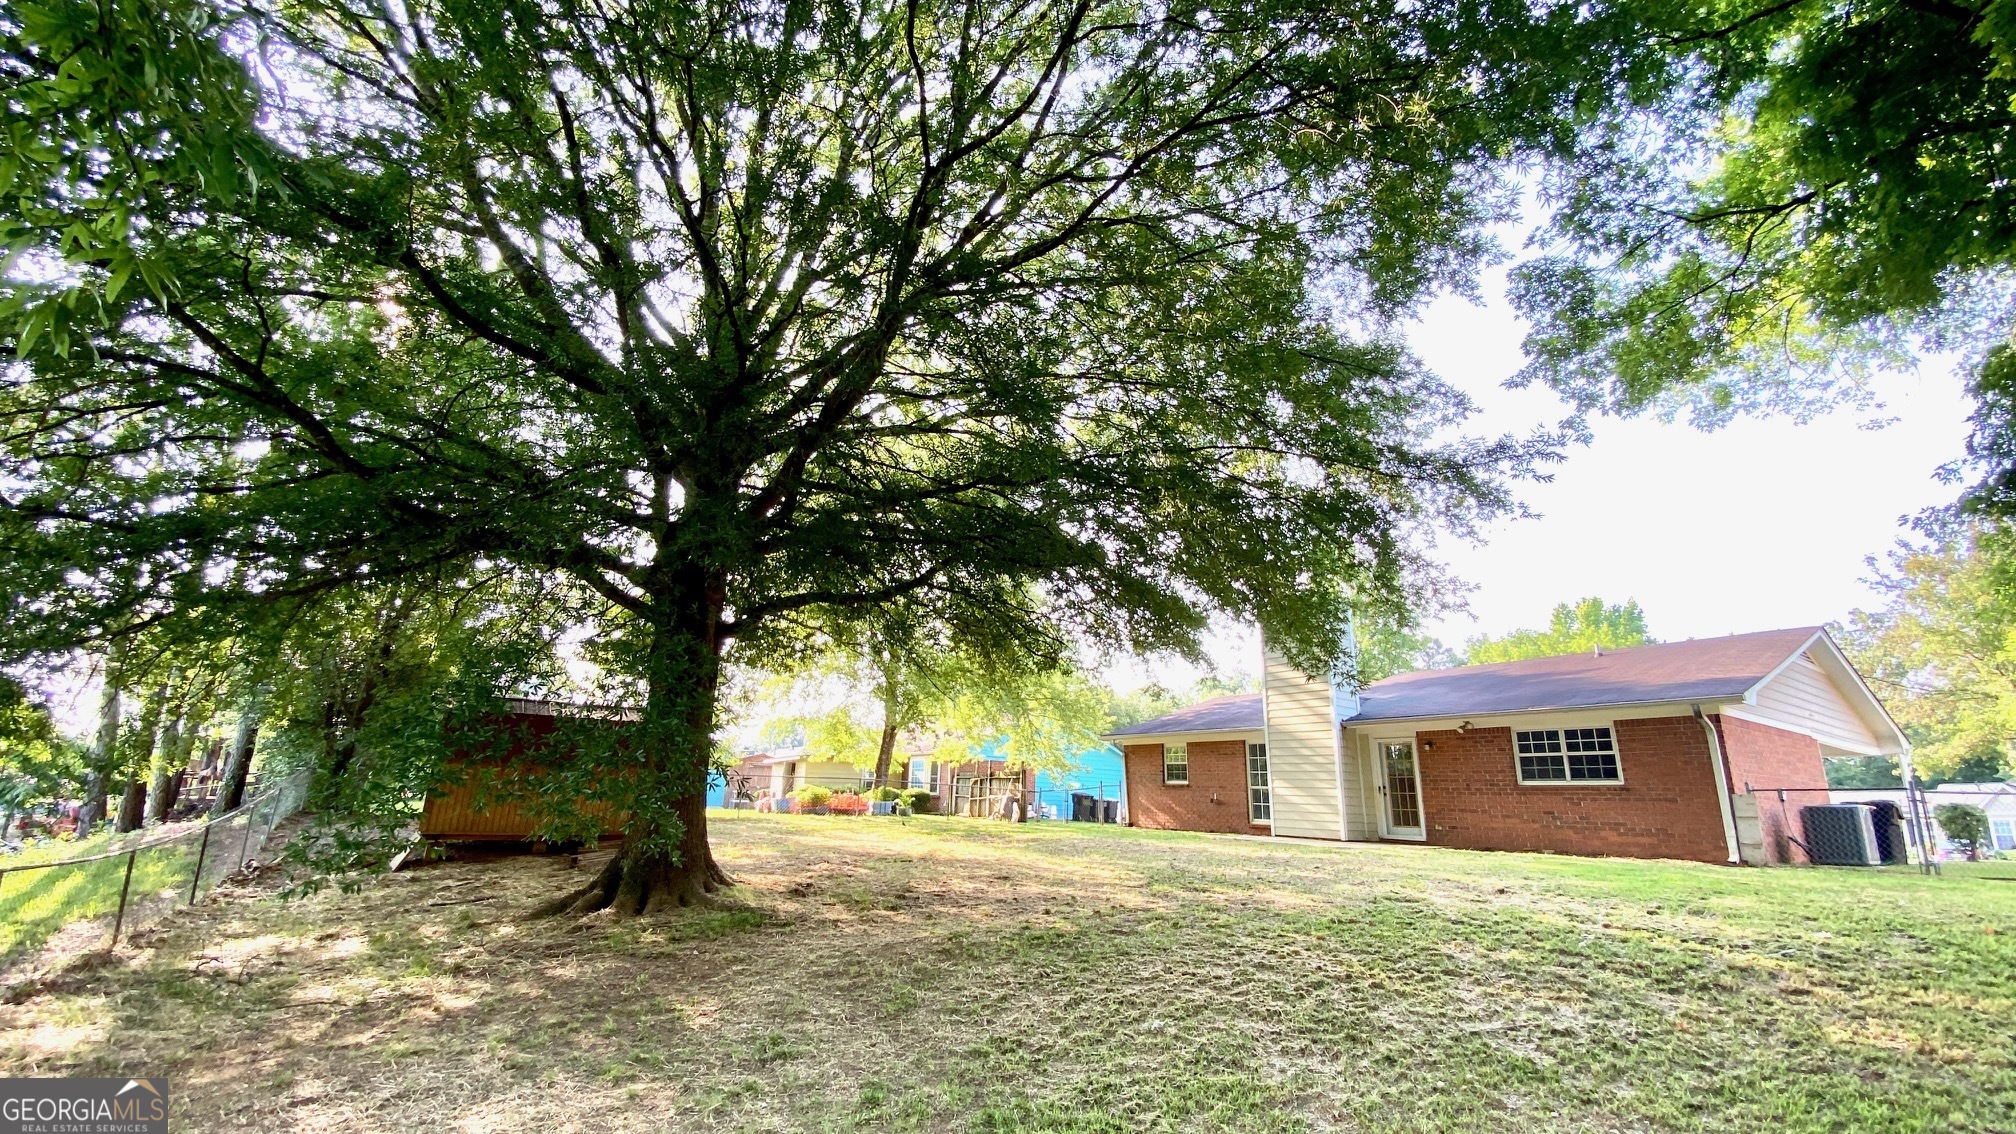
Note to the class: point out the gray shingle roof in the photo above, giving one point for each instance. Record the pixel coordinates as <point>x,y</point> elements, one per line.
<point>1672,671</point>
<point>1702,669</point>
<point>1239,711</point>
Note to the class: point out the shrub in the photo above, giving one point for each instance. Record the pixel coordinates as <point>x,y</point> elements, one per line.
<point>847,803</point>
<point>918,800</point>
<point>810,796</point>
<point>1965,825</point>
<point>884,794</point>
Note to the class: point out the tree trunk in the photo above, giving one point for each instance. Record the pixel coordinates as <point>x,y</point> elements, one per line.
<point>891,720</point>
<point>887,753</point>
<point>178,769</point>
<point>132,806</point>
<point>171,790</point>
<point>103,754</point>
<point>133,803</point>
<point>93,811</point>
<point>670,806</point>
<point>160,770</point>
<point>640,880</point>
<point>231,792</point>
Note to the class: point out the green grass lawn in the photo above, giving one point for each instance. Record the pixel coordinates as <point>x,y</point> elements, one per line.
<point>37,904</point>
<point>964,975</point>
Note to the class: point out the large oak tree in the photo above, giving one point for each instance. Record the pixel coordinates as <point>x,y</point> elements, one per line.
<point>1051,318</point>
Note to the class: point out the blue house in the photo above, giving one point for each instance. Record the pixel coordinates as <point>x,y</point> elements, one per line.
<point>1096,772</point>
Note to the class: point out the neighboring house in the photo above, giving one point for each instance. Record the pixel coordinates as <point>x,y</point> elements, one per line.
<point>1636,752</point>
<point>1098,772</point>
<point>1997,799</point>
<point>739,784</point>
<point>974,787</point>
<point>787,769</point>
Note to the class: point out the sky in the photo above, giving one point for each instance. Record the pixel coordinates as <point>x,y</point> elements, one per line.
<point>1763,524</point>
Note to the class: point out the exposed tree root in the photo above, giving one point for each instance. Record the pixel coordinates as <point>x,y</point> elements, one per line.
<point>629,888</point>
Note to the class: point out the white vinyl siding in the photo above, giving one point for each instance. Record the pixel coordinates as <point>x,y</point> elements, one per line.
<point>1805,699</point>
<point>1301,751</point>
<point>1361,813</point>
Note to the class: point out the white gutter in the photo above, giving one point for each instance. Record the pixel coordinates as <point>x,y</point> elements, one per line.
<point>1122,739</point>
<point>1721,783</point>
<point>1337,753</point>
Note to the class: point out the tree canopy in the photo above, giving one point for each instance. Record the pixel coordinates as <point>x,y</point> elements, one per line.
<point>1792,193</point>
<point>1058,320</point>
<point>889,681</point>
<point>1941,650</point>
<point>1575,628</point>
<point>37,763</point>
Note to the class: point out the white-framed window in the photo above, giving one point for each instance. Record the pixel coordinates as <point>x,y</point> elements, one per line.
<point>1175,763</point>
<point>2005,833</point>
<point>1259,785</point>
<point>1567,756</point>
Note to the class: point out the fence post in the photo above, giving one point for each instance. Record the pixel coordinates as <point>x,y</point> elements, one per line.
<point>119,921</point>
<point>272,821</point>
<point>245,845</point>
<point>202,849</point>
<point>1928,837</point>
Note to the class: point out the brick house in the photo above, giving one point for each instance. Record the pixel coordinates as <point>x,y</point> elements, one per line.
<point>1648,752</point>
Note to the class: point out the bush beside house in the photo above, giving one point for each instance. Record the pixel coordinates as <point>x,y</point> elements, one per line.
<point>811,799</point>
<point>1966,827</point>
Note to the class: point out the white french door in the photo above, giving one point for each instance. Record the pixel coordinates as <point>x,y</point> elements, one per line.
<point>1399,791</point>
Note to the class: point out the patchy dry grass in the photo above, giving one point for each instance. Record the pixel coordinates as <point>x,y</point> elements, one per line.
<point>964,975</point>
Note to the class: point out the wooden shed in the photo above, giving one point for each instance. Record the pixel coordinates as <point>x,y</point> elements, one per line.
<point>461,809</point>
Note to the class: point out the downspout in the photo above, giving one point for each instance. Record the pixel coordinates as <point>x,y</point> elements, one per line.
<point>1337,754</point>
<point>1126,815</point>
<point>1721,783</point>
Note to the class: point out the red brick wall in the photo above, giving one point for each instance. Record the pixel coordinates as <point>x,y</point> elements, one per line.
<point>1766,759</point>
<point>1665,808</point>
<point>1214,799</point>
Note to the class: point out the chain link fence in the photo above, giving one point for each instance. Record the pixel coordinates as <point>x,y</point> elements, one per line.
<point>91,901</point>
<point>1916,828</point>
<point>1962,822</point>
